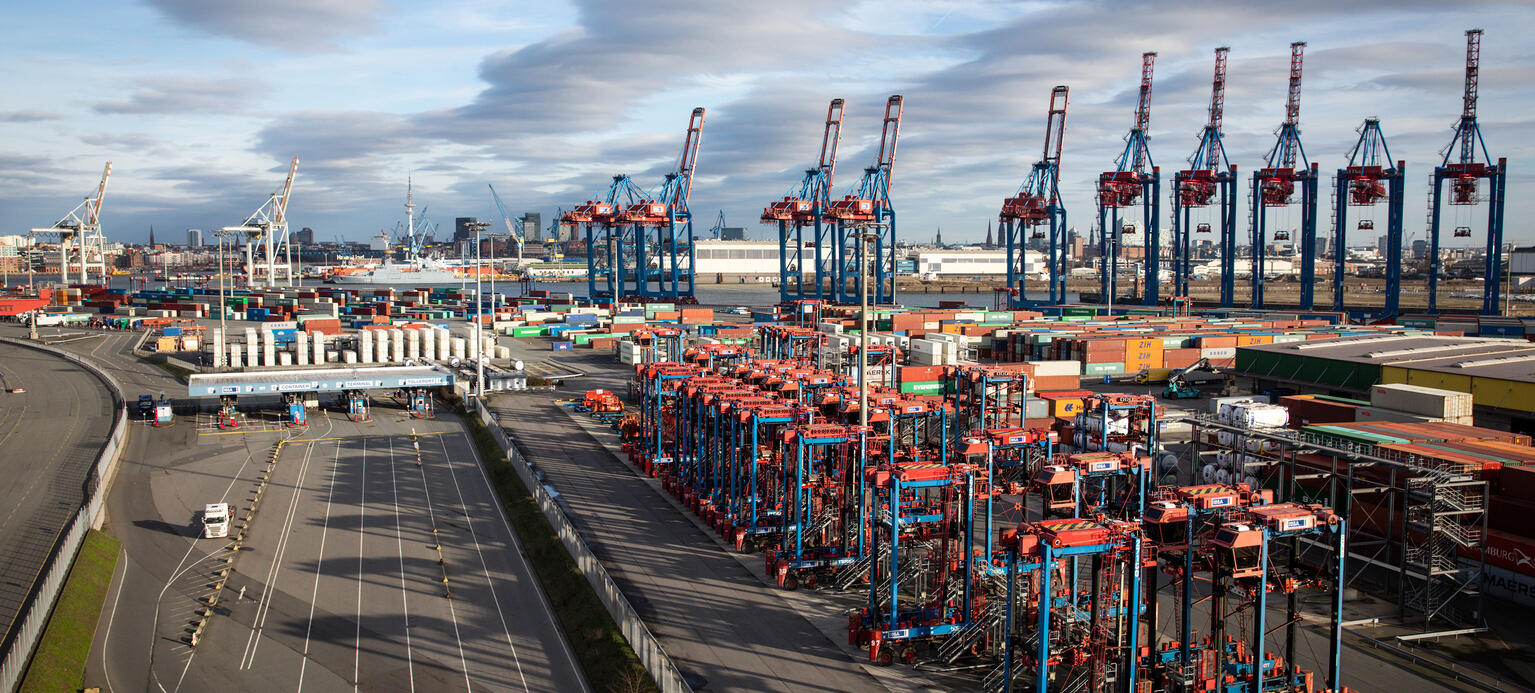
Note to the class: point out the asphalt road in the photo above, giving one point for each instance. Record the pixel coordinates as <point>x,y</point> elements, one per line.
<point>714,618</point>
<point>350,565</point>
<point>343,584</point>
<point>49,437</point>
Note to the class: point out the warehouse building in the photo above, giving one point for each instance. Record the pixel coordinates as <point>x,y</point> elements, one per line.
<point>973,263</point>
<point>1499,373</point>
<point>735,257</point>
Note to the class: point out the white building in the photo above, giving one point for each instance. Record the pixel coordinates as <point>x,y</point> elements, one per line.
<point>973,263</point>
<point>736,257</point>
<point>1243,267</point>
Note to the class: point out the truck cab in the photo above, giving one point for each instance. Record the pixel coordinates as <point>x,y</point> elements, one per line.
<point>216,520</point>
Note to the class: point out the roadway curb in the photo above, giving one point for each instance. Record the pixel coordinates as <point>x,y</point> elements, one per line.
<point>211,600</point>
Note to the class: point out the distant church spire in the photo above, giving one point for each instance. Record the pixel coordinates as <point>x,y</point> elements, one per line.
<point>988,233</point>
<point>151,235</point>
<point>938,239</point>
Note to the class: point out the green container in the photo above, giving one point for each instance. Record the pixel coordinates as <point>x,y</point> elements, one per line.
<point>923,387</point>
<point>528,331</point>
<point>587,337</point>
<point>1068,313</point>
<point>1116,368</point>
<point>999,316</point>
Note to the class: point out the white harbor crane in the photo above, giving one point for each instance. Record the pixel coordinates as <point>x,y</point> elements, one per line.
<point>266,233</point>
<point>513,226</point>
<point>83,225</point>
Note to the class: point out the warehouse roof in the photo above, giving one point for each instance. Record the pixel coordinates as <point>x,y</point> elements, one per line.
<point>316,380</point>
<point>1509,359</point>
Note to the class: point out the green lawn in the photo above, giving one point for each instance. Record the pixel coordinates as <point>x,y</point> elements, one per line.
<point>606,658</point>
<point>59,662</point>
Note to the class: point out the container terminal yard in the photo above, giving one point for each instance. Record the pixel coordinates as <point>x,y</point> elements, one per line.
<point>1180,485</point>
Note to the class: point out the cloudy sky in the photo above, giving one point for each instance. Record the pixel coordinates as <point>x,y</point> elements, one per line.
<point>201,104</point>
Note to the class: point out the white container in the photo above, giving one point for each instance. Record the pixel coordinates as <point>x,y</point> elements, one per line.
<point>319,348</point>
<point>365,346</point>
<point>460,348</point>
<point>349,356</point>
<point>381,347</point>
<point>252,346</point>
<point>1425,401</point>
<point>1054,368</point>
<point>234,355</point>
<point>429,344</point>
<point>413,344</point>
<point>397,344</point>
<point>284,358</point>
<point>301,348</point>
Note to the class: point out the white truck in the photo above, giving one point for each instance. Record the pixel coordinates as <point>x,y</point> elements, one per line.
<point>216,520</point>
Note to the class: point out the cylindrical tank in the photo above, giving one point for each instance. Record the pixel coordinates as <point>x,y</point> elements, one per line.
<point>1208,473</point>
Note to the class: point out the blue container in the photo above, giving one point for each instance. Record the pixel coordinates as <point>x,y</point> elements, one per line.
<point>1500,330</point>
<point>563,346</point>
<point>171,332</point>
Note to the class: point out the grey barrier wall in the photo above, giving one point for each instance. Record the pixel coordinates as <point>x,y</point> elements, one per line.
<point>34,614</point>
<point>645,645</point>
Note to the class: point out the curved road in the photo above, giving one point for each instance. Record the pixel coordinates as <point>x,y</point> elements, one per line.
<point>49,437</point>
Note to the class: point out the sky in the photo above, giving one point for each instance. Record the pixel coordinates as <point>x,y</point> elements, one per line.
<point>201,105</point>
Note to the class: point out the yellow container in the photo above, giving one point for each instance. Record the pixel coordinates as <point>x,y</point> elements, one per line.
<point>1065,408</point>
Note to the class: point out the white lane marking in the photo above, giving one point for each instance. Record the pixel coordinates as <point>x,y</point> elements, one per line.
<point>318,564</point>
<point>452,613</point>
<point>155,627</point>
<point>268,595</point>
<point>106,640</point>
<point>410,666</point>
<point>485,569</point>
<point>362,520</point>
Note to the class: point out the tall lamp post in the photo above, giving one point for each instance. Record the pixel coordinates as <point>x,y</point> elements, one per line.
<point>867,235</point>
<point>479,340</point>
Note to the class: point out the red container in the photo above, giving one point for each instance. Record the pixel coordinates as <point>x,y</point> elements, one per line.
<point>1518,482</point>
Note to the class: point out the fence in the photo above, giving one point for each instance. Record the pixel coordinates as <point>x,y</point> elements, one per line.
<point>33,616</point>
<point>644,644</point>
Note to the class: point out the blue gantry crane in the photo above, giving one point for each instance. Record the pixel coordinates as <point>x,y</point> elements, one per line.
<point>1134,180</point>
<point>1210,179</point>
<point>1038,203</point>
<point>1465,170</point>
<point>866,208</point>
<point>1370,178</point>
<point>1274,186</point>
<point>805,207</point>
<point>640,243</point>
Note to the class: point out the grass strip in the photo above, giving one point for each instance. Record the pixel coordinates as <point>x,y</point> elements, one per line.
<point>59,662</point>
<point>606,658</point>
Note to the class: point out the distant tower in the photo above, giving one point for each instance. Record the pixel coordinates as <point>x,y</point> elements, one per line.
<point>151,235</point>
<point>938,238</point>
<point>988,233</point>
